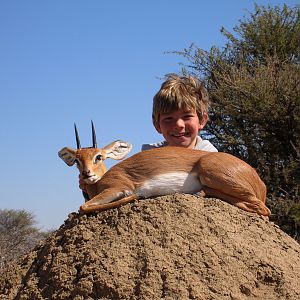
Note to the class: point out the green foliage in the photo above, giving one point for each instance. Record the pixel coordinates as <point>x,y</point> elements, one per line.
<point>12,221</point>
<point>18,234</point>
<point>286,213</point>
<point>254,84</point>
<point>268,32</point>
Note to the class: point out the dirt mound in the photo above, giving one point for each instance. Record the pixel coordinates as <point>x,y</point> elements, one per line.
<point>172,247</point>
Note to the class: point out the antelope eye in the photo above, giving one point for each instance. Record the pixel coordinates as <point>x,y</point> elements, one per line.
<point>76,162</point>
<point>98,158</point>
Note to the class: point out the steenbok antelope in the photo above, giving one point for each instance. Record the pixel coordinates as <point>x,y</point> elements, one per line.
<point>90,161</point>
<point>165,171</point>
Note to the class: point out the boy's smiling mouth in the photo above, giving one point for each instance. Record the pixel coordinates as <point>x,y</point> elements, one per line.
<point>178,135</point>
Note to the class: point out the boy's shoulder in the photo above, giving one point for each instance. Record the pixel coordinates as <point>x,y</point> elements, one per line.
<point>205,145</point>
<point>200,145</point>
<point>154,145</point>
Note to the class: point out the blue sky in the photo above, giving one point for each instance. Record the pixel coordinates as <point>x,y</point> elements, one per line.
<point>72,61</point>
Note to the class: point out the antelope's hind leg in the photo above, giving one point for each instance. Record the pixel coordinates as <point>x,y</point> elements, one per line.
<point>106,200</point>
<point>231,179</point>
<point>255,205</point>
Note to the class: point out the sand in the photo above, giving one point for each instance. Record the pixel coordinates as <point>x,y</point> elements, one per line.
<point>172,247</point>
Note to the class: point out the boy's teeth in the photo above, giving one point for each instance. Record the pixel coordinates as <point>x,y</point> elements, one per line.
<point>180,134</point>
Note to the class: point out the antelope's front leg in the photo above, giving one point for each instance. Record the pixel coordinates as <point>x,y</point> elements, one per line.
<point>106,200</point>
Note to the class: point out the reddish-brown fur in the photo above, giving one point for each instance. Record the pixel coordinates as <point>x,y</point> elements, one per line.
<point>222,175</point>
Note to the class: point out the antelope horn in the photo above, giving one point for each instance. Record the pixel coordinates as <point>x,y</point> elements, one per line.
<point>77,137</point>
<point>94,136</point>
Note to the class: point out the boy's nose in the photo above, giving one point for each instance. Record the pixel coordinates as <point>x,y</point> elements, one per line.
<point>179,123</point>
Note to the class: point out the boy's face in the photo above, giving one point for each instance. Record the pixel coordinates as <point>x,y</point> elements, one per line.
<point>180,128</point>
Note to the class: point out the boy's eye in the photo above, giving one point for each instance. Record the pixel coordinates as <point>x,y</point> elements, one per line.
<point>188,116</point>
<point>167,119</point>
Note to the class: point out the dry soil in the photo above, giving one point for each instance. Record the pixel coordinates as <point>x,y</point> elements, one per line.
<point>171,247</point>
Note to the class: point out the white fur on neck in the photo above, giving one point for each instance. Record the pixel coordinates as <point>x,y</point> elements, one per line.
<point>92,179</point>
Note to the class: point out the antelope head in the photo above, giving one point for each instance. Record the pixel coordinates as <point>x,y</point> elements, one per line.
<point>90,160</point>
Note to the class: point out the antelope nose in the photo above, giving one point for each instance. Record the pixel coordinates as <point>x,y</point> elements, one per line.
<point>86,173</point>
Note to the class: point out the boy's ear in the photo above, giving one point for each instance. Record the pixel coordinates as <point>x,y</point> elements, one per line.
<point>157,127</point>
<point>203,121</point>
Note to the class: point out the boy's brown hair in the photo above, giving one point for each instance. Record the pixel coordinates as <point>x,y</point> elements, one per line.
<point>180,93</point>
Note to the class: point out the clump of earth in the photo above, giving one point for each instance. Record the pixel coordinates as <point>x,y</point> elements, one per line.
<point>171,247</point>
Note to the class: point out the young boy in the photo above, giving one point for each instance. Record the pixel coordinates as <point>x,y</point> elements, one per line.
<point>180,112</point>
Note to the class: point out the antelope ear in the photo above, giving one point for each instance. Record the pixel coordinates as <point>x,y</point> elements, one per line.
<point>117,149</point>
<point>67,155</point>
